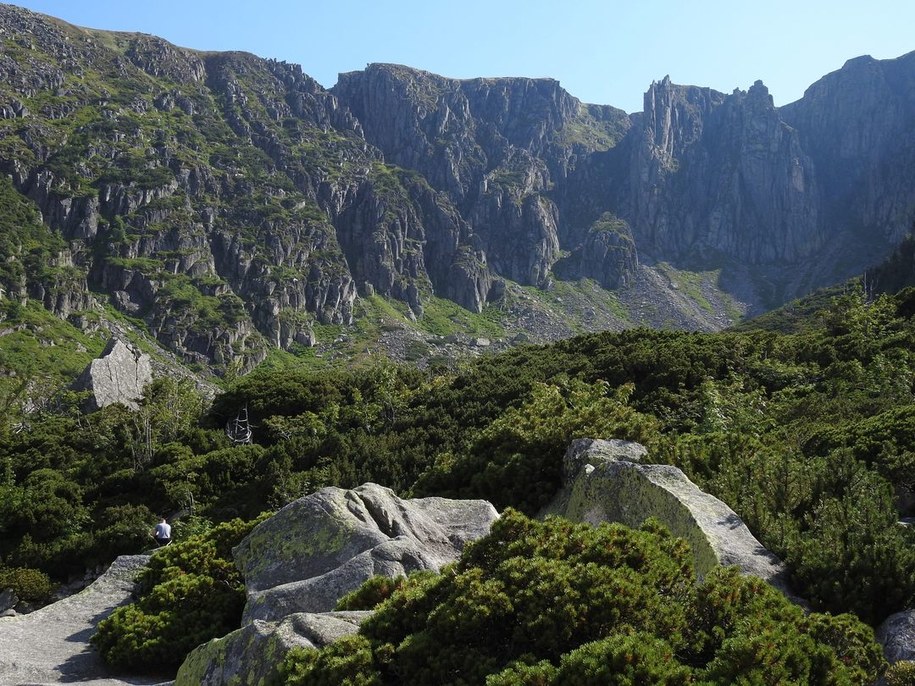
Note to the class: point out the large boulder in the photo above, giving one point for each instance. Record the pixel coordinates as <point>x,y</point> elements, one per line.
<point>301,561</point>
<point>252,655</point>
<point>119,375</point>
<point>606,481</point>
<point>322,546</point>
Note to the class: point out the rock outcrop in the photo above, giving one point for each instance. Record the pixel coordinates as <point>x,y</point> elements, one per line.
<point>232,202</point>
<point>119,375</point>
<point>318,548</point>
<point>298,563</point>
<point>251,654</point>
<point>51,645</point>
<point>606,481</point>
<point>497,148</point>
<point>897,636</point>
<point>711,173</point>
<point>606,254</point>
<point>857,125</point>
<point>301,561</point>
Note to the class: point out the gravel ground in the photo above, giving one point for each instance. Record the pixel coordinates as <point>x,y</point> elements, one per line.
<point>51,645</point>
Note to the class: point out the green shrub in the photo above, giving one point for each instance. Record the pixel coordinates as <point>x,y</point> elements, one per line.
<point>190,526</point>
<point>28,584</point>
<point>623,660</point>
<point>523,673</point>
<point>900,673</point>
<point>190,592</point>
<point>372,592</point>
<point>120,530</point>
<point>351,663</point>
<point>517,460</point>
<point>62,556</point>
<point>561,603</point>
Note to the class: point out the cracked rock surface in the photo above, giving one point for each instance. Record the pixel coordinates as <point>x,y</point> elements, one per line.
<point>322,546</point>
<point>51,645</point>
<point>118,376</point>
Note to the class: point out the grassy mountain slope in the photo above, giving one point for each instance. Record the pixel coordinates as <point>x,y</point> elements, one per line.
<point>234,207</point>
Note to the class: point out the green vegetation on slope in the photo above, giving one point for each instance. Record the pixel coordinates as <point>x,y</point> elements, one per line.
<point>805,435</point>
<point>560,603</point>
<point>144,167</point>
<point>190,592</point>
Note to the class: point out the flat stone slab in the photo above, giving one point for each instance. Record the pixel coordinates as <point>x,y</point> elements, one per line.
<point>51,645</point>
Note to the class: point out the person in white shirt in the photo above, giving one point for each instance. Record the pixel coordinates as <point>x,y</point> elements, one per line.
<point>163,533</point>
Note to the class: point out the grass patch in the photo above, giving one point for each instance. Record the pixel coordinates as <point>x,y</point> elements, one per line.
<point>278,359</point>
<point>616,307</point>
<point>443,317</point>
<point>574,300</point>
<point>39,349</point>
<point>691,284</point>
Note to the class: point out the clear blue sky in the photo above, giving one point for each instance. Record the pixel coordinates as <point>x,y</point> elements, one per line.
<point>602,51</point>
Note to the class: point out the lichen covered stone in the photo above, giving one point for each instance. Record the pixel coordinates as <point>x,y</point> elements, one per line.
<point>320,547</point>
<point>606,481</point>
<point>252,655</point>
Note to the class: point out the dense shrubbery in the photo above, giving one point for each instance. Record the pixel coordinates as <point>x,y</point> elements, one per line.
<point>804,434</point>
<point>373,592</point>
<point>79,490</point>
<point>513,461</point>
<point>562,603</point>
<point>28,584</point>
<point>901,673</point>
<point>190,592</point>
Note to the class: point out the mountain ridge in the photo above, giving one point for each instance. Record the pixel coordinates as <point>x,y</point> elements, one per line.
<point>235,206</point>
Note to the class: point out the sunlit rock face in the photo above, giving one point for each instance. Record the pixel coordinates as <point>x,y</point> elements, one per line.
<point>610,481</point>
<point>302,560</point>
<point>232,203</point>
<point>119,375</point>
<point>320,547</point>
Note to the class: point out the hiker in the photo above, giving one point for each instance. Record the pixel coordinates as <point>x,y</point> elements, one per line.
<point>163,533</point>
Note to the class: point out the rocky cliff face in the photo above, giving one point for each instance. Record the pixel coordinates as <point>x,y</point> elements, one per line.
<point>823,184</point>
<point>497,148</point>
<point>858,124</point>
<point>715,173</point>
<point>233,203</point>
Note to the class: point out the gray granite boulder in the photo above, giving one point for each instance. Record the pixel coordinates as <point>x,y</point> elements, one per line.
<point>897,636</point>
<point>606,481</point>
<point>252,655</point>
<point>8,599</point>
<point>320,547</point>
<point>301,561</point>
<point>118,376</point>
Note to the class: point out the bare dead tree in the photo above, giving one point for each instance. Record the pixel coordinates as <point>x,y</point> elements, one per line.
<point>239,429</point>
